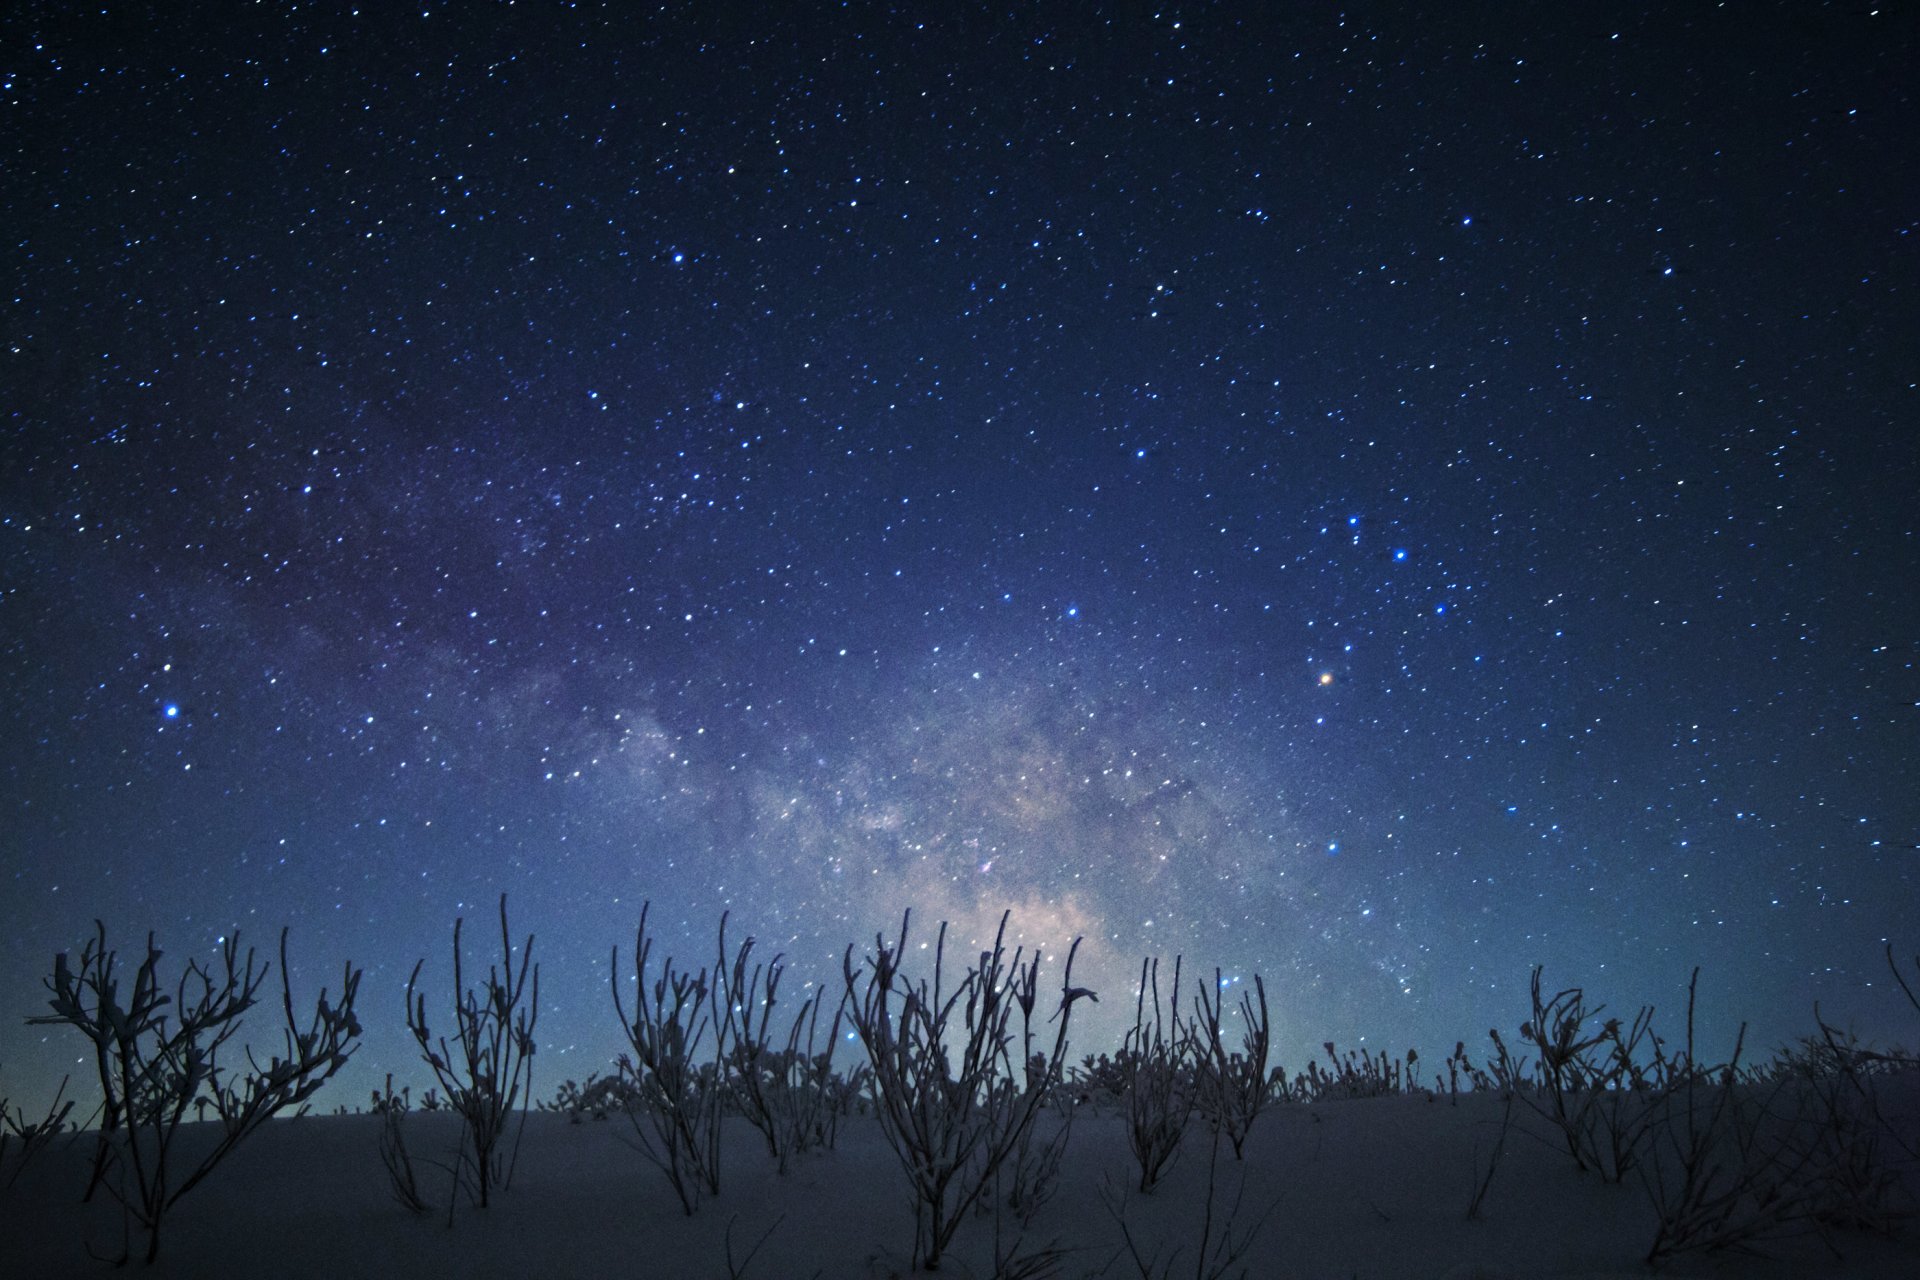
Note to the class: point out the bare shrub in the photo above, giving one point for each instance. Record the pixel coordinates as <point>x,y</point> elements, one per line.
<point>676,1104</point>
<point>954,1124</point>
<point>32,1135</point>
<point>488,1069</point>
<point>598,1097</point>
<point>1156,1062</point>
<point>158,1055</point>
<point>1906,988</point>
<point>1600,1088</point>
<point>1361,1073</point>
<point>1736,1158</point>
<point>1232,1087</point>
<point>1483,1181</point>
<point>1839,1080</point>
<point>1460,1066</point>
<point>786,1091</point>
<point>737,1269</point>
<point>1099,1082</point>
<point>1032,1175</point>
<point>402,1181</point>
<point>1221,1239</point>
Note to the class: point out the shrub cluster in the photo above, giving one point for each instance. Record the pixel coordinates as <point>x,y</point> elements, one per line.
<point>959,1072</point>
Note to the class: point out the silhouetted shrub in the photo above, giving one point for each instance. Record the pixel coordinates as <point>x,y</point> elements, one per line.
<point>954,1123</point>
<point>1231,1086</point>
<point>32,1136</point>
<point>158,1055</point>
<point>488,1068</point>
<point>677,1102</point>
<point>1157,1066</point>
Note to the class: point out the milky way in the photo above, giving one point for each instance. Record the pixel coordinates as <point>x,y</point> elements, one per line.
<point>1379,500</point>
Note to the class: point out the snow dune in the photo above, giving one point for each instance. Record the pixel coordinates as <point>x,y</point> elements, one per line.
<point>1373,1189</point>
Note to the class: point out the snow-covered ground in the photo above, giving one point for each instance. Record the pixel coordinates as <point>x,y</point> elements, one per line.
<point>1372,1188</point>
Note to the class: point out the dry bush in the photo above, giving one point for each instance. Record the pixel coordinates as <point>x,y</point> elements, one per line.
<point>1157,1066</point>
<point>676,1103</point>
<point>784,1088</point>
<point>32,1135</point>
<point>1361,1073</point>
<point>402,1181</point>
<point>158,1055</point>
<point>1600,1088</point>
<point>1742,1155</point>
<point>599,1097</point>
<point>488,1069</point>
<point>953,1098</point>
<point>1232,1087</point>
<point>1221,1240</point>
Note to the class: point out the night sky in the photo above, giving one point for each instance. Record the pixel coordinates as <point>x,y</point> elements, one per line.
<point>1381,499</point>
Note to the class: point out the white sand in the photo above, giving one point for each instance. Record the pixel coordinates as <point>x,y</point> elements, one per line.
<point>1374,1189</point>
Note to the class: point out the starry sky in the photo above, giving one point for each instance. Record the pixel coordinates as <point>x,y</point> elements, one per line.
<point>1380,498</point>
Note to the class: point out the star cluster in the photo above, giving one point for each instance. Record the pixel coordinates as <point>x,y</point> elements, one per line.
<point>1378,500</point>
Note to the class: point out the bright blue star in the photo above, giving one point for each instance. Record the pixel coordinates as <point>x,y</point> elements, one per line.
<point>171,711</point>
<point>1399,553</point>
